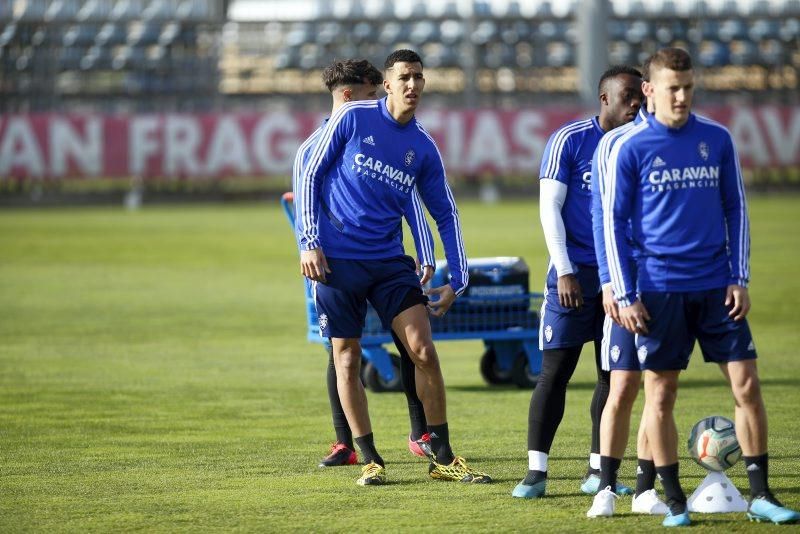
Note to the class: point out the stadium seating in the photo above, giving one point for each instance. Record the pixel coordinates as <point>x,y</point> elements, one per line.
<point>257,47</point>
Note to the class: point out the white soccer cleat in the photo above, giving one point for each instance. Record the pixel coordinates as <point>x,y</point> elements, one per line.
<point>649,503</point>
<point>604,503</point>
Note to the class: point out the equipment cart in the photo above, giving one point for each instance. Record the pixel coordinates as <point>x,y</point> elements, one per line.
<point>497,308</point>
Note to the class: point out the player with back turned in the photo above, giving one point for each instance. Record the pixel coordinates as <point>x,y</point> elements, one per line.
<point>352,81</point>
<point>675,204</point>
<point>572,313</point>
<point>373,163</point>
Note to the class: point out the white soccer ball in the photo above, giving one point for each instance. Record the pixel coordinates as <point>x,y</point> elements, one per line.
<point>713,444</point>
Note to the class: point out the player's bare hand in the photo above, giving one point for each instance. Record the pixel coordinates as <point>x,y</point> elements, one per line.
<point>569,291</point>
<point>610,305</point>
<point>634,318</point>
<point>427,274</point>
<point>447,296</point>
<point>314,265</point>
<point>738,299</point>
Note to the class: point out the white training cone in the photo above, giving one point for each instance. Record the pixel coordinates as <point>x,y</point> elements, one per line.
<point>716,494</point>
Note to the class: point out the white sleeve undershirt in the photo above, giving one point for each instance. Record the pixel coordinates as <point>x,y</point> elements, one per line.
<point>552,194</point>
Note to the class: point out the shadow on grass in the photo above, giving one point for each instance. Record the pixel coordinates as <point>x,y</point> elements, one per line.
<point>685,383</point>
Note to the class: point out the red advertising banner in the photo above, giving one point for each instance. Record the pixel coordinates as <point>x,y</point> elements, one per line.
<point>473,142</point>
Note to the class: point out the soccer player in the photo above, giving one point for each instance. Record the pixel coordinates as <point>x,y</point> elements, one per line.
<point>572,312</point>
<point>371,165</point>
<point>353,81</point>
<point>618,356</point>
<point>675,180</point>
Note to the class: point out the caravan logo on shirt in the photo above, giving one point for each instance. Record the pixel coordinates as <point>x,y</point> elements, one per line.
<point>374,168</point>
<point>694,177</point>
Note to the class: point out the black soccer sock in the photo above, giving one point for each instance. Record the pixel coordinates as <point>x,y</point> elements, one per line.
<point>599,398</point>
<point>343,433</point>
<point>440,443</point>
<point>608,472</point>
<point>416,412</point>
<point>676,499</point>
<point>645,476</point>
<point>547,402</point>
<point>366,444</point>
<point>533,477</point>
<point>757,472</point>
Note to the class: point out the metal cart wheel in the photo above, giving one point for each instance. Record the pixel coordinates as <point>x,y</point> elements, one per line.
<point>521,373</point>
<point>490,370</point>
<point>375,382</point>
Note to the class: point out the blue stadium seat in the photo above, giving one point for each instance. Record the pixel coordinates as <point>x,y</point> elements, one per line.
<point>514,32</point>
<point>424,31</point>
<point>638,31</point>
<point>485,32</point>
<point>525,55</point>
<point>30,11</point>
<point>771,52</point>
<point>732,29</point>
<point>144,33</point>
<point>300,32</point>
<point>125,10</point>
<point>363,32</point>
<point>743,52</point>
<point>560,54</point>
<point>391,32</point>
<point>159,10</point>
<point>789,31</point>
<point>8,33</point>
<point>79,35</point>
<point>713,54</point>
<point>761,29</point>
<point>111,35</point>
<point>329,32</point>
<point>169,33</point>
<point>94,11</point>
<point>451,31</point>
<point>96,58</point>
<point>195,10</point>
<point>61,10</point>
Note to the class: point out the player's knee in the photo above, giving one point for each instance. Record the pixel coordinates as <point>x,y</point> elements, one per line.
<point>624,393</point>
<point>425,355</point>
<point>747,392</point>
<point>662,397</point>
<point>348,360</point>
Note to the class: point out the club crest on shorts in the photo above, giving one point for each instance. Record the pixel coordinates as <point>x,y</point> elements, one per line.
<point>409,159</point>
<point>615,353</point>
<point>323,322</point>
<point>702,148</point>
<point>548,333</point>
<point>642,353</point>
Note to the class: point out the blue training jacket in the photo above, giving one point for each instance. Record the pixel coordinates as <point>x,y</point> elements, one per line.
<point>364,174</point>
<point>568,158</point>
<point>599,161</point>
<point>682,193</point>
<point>423,239</point>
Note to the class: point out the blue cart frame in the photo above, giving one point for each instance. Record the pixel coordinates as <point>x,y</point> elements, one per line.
<point>508,326</point>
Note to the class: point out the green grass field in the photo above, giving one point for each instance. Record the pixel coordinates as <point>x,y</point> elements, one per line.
<point>154,375</point>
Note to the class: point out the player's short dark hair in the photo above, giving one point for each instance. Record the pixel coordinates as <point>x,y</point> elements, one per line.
<point>404,56</point>
<point>676,59</point>
<point>350,72</point>
<point>615,71</point>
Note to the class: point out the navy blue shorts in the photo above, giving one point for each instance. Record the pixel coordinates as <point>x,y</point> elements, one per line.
<point>561,327</point>
<point>342,301</point>
<point>618,350</point>
<point>678,319</point>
